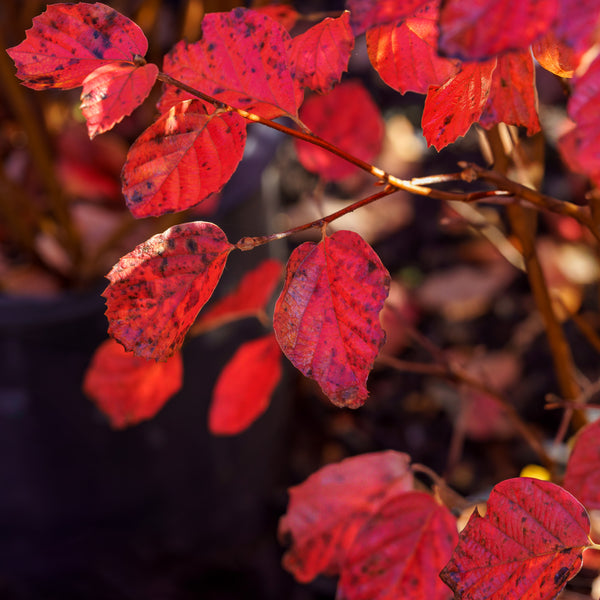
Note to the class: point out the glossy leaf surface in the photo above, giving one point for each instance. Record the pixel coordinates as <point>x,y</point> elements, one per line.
<point>327,316</point>
<point>346,117</point>
<point>242,59</point>
<point>244,387</point>
<point>69,41</point>
<point>156,291</point>
<point>405,54</point>
<point>326,511</point>
<point>452,108</point>
<point>114,91</point>
<point>399,551</point>
<point>320,55</point>
<point>528,545</point>
<point>481,29</point>
<point>127,388</point>
<point>248,299</point>
<point>582,478</point>
<point>181,159</point>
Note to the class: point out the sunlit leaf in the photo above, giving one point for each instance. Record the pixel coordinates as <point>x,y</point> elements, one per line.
<point>348,118</point>
<point>69,41</point>
<point>127,388</point>
<point>327,316</point>
<point>241,59</point>
<point>320,55</point>
<point>326,511</point>
<point>114,91</point>
<point>528,545</point>
<point>399,551</point>
<point>181,159</point>
<point>365,14</point>
<point>156,291</point>
<point>405,54</point>
<point>245,385</point>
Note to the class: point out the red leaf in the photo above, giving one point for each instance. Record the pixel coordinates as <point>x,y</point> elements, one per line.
<point>513,97</point>
<point>578,25</point>
<point>405,55</point>
<point>580,147</point>
<point>327,510</point>
<point>244,387</point>
<point>554,55</point>
<point>181,159</point>
<point>452,108</point>
<point>129,389</point>
<point>69,41</point>
<point>247,300</point>
<point>582,478</point>
<point>114,91</point>
<point>327,316</point>
<point>346,117</point>
<point>320,55</point>
<point>528,545</point>
<point>370,13</point>
<point>156,291</point>
<point>481,29</point>
<point>242,59</point>
<point>283,13</point>
<point>399,551</point>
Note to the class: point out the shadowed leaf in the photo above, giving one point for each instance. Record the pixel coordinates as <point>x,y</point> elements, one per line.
<point>365,14</point>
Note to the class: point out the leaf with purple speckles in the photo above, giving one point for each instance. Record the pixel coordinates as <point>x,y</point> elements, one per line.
<point>327,317</point>
<point>181,159</point>
<point>156,291</point>
<point>242,59</point>
<point>114,91</point>
<point>69,41</point>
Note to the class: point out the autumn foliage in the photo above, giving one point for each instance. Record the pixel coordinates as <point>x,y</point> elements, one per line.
<point>367,519</point>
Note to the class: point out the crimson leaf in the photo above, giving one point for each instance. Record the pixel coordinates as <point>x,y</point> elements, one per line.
<point>326,511</point>
<point>327,317</point>
<point>244,387</point>
<point>181,159</point>
<point>128,388</point>
<point>156,291</point>
<point>69,41</point>
<point>528,545</point>
<point>370,13</point>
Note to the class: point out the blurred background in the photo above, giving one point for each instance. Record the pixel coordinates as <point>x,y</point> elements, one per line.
<point>165,510</point>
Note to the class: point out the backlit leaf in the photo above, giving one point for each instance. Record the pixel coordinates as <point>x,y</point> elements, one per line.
<point>554,55</point>
<point>399,551</point>
<point>114,91</point>
<point>327,317</point>
<point>578,25</point>
<point>156,291</point>
<point>69,41</point>
<point>365,14</point>
<point>346,117</point>
<point>242,59</point>
<point>326,511</point>
<point>320,55</point>
<point>582,478</point>
<point>127,388</point>
<point>405,55</point>
<point>481,29</point>
<point>452,108</point>
<point>513,98</point>
<point>283,13</point>
<point>580,147</point>
<point>181,159</point>
<point>528,545</point>
<point>247,300</point>
<point>244,387</point>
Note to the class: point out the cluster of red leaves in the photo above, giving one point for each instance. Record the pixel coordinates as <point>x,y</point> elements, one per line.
<point>361,519</point>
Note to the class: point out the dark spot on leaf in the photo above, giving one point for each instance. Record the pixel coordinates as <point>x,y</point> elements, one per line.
<point>561,576</point>
<point>191,245</point>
